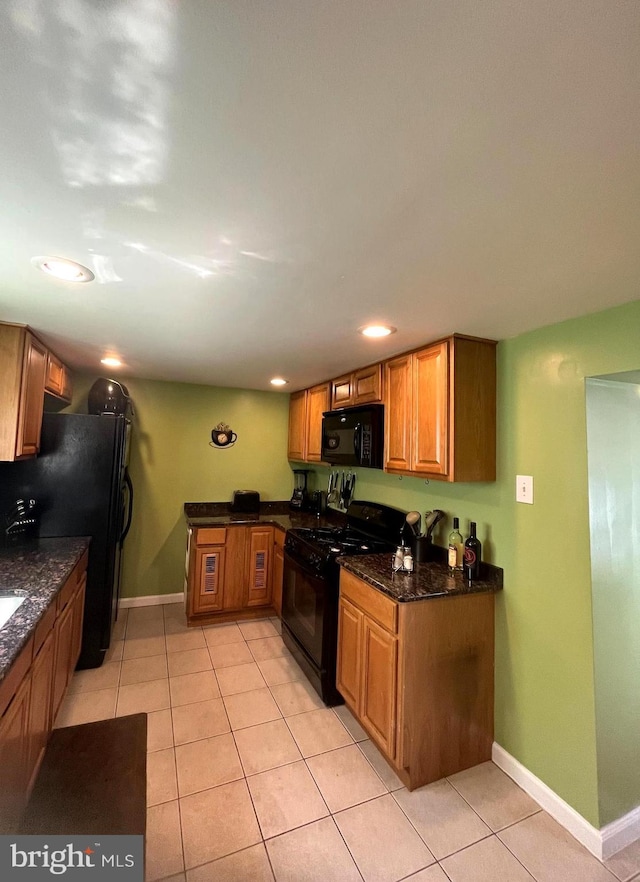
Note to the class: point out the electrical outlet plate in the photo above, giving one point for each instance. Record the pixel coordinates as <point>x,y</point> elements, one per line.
<point>524,489</point>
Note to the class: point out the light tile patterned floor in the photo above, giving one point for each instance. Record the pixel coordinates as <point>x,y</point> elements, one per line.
<point>250,778</point>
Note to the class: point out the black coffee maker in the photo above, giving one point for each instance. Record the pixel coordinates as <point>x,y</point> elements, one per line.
<point>300,498</point>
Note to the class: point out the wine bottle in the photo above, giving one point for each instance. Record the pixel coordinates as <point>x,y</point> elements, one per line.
<point>456,547</point>
<point>472,555</point>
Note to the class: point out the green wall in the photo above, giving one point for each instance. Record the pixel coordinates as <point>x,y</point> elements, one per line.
<point>545,694</point>
<point>613,433</point>
<point>172,463</point>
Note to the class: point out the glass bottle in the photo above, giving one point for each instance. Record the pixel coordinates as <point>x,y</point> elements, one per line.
<point>472,555</point>
<point>456,547</point>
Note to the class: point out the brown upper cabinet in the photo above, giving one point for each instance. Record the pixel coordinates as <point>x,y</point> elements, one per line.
<point>440,411</point>
<point>305,422</point>
<point>23,363</point>
<point>297,447</point>
<point>317,404</point>
<point>27,369</point>
<point>58,379</point>
<point>363,386</point>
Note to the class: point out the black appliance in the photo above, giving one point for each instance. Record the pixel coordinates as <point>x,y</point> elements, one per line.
<point>354,436</point>
<point>246,501</point>
<point>311,585</point>
<point>300,497</point>
<point>82,488</point>
<point>109,397</point>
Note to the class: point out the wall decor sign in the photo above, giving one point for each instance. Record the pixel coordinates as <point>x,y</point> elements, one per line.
<point>222,436</point>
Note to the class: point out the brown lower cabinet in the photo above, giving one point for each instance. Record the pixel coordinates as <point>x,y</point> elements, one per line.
<point>31,694</point>
<point>419,677</point>
<point>229,573</point>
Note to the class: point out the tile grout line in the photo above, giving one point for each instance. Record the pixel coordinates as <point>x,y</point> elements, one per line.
<point>515,855</point>
<point>495,832</point>
<point>393,794</point>
<point>304,759</point>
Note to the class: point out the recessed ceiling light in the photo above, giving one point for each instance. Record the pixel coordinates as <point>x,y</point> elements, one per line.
<point>62,268</point>
<point>377,331</point>
<point>278,381</point>
<point>111,362</point>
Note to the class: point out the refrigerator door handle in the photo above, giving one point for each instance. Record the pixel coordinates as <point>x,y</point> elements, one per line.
<point>127,481</point>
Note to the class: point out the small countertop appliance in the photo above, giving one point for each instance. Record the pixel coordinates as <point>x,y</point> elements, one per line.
<point>110,397</point>
<point>300,498</point>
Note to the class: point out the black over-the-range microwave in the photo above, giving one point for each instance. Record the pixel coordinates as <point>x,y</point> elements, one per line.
<point>354,436</point>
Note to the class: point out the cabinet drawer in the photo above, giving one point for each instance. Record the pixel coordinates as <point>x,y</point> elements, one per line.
<point>278,536</point>
<point>211,536</point>
<point>376,605</point>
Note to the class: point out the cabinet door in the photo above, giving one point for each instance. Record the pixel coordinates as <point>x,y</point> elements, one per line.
<point>349,661</point>
<point>341,392</point>
<point>379,685</point>
<point>430,415</point>
<point>236,568</point>
<point>31,397</point>
<point>63,632</point>
<point>78,620</point>
<point>367,385</point>
<point>297,448</point>
<point>209,582</point>
<point>67,384</point>
<point>260,549</point>
<point>14,757</point>
<point>40,722</point>
<point>278,574</point>
<point>54,382</point>
<point>317,404</point>
<point>398,391</point>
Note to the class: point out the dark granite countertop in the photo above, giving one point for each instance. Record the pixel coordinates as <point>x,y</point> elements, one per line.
<point>40,569</point>
<point>427,581</point>
<point>212,514</point>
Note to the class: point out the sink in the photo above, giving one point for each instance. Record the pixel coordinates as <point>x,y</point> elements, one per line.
<point>9,603</point>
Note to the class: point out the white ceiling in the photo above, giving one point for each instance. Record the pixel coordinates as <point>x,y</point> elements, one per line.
<point>251,182</point>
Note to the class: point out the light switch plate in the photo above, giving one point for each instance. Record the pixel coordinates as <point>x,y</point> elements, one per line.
<point>524,489</point>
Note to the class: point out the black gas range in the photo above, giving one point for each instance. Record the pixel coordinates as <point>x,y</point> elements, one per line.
<point>310,586</point>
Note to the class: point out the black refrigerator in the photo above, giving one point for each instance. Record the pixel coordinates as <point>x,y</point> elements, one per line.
<point>82,488</point>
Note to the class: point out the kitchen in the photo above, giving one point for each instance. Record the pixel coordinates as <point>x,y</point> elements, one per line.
<point>547,707</point>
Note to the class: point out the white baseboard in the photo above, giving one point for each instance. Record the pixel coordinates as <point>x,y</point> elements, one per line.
<point>618,834</point>
<point>602,843</point>
<point>150,600</point>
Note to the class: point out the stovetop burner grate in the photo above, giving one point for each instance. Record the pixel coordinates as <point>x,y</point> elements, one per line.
<point>339,540</point>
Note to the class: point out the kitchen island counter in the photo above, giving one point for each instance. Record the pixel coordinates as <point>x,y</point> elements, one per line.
<point>39,569</point>
<point>428,580</point>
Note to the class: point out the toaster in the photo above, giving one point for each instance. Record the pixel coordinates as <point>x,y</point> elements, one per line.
<point>247,501</point>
